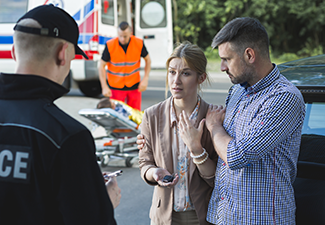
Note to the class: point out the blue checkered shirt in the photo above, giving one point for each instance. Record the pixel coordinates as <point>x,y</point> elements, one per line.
<point>265,121</point>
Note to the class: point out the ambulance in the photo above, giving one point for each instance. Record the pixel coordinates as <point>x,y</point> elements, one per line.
<point>98,21</point>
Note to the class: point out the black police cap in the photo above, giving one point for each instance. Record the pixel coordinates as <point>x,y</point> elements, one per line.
<point>55,23</point>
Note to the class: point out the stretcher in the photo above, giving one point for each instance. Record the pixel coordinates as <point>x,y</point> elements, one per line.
<point>120,139</point>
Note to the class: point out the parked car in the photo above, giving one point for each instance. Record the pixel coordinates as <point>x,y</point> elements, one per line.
<point>308,75</point>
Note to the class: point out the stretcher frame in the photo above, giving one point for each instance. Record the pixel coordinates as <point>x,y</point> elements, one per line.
<point>120,139</point>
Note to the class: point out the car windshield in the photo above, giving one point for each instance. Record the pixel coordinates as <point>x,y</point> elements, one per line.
<point>307,71</point>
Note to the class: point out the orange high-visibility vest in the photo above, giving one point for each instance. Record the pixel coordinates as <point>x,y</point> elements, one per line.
<point>123,69</point>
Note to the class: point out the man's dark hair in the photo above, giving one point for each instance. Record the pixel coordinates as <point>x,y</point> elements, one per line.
<point>123,25</point>
<point>242,33</point>
<point>104,103</point>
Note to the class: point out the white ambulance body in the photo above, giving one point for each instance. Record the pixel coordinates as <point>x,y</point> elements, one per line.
<point>98,21</point>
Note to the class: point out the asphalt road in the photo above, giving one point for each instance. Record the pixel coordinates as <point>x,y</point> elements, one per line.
<point>136,194</point>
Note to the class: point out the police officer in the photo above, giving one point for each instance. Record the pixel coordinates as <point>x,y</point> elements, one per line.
<point>48,168</point>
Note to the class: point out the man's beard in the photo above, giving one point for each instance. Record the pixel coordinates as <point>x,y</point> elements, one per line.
<point>246,76</point>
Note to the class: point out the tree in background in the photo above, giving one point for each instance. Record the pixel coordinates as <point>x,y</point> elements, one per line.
<point>295,27</point>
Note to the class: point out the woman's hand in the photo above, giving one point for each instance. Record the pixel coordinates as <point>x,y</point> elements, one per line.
<point>158,175</point>
<point>189,134</point>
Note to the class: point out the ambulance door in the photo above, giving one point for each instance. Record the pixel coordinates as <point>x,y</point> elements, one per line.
<point>110,14</point>
<point>124,11</point>
<point>153,23</point>
<point>107,22</point>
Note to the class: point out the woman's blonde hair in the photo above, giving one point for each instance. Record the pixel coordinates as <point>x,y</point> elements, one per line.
<point>194,58</point>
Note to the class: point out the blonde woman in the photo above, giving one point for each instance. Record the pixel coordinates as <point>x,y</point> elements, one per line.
<point>177,143</point>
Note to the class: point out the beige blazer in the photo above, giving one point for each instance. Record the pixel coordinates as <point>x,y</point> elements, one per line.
<point>157,152</point>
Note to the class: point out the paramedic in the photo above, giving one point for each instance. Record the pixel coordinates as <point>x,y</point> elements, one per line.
<point>122,57</point>
<point>48,168</point>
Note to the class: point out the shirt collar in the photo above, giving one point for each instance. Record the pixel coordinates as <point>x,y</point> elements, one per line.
<point>17,86</point>
<point>264,82</point>
<point>193,116</point>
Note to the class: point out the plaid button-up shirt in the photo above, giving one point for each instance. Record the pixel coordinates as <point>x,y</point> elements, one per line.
<point>265,121</point>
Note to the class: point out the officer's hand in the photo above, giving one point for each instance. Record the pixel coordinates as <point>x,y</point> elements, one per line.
<point>114,191</point>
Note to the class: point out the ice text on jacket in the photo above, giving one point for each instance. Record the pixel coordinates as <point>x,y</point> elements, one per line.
<point>15,163</point>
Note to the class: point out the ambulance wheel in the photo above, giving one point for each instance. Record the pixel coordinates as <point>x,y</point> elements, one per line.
<point>90,88</point>
<point>128,161</point>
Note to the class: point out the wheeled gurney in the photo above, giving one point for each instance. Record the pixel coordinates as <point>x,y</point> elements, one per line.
<point>121,135</point>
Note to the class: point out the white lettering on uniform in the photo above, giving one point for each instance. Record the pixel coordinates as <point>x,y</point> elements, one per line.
<point>19,164</point>
<point>3,154</point>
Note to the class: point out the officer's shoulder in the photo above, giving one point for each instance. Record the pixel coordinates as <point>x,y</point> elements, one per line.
<point>57,124</point>
<point>64,121</point>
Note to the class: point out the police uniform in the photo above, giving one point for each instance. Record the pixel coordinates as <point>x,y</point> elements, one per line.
<point>48,167</point>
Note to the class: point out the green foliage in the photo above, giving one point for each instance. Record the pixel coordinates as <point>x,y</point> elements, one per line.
<point>211,53</point>
<point>286,57</point>
<point>295,27</point>
<point>310,49</point>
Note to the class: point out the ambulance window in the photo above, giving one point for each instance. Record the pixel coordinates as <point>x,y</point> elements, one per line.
<point>153,14</point>
<point>11,11</point>
<point>108,12</point>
